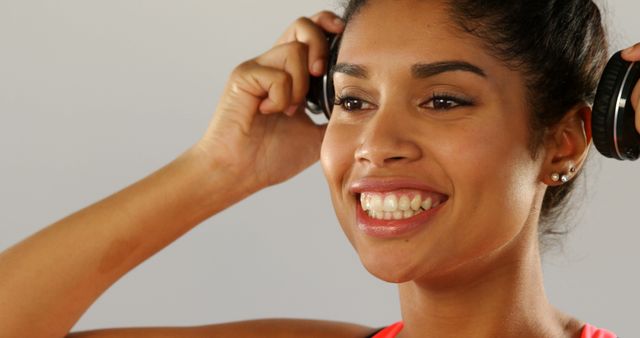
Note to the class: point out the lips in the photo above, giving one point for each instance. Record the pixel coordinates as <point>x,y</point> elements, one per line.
<point>395,207</point>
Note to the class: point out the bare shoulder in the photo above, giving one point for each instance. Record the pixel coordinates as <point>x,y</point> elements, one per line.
<point>276,328</point>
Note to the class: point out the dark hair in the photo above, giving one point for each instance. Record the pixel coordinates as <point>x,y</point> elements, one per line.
<point>561,48</point>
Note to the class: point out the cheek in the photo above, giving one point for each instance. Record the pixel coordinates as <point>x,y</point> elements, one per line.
<point>336,155</point>
<point>493,180</point>
<point>336,158</point>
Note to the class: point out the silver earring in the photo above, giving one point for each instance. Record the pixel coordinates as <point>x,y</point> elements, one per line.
<point>564,178</point>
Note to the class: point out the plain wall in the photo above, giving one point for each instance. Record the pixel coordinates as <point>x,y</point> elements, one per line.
<point>95,95</point>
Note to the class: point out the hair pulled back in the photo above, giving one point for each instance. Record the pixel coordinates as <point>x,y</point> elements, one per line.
<point>560,46</point>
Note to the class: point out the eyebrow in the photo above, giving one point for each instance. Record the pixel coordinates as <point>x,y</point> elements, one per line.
<point>419,70</point>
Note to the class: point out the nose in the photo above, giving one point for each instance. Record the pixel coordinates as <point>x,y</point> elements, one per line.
<point>387,140</point>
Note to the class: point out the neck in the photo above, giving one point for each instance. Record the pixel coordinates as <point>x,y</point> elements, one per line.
<point>500,296</point>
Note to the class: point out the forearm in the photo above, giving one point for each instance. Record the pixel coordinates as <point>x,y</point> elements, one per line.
<point>49,280</point>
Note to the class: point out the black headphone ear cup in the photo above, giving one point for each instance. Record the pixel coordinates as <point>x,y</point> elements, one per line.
<point>320,97</point>
<point>613,120</point>
<point>328,90</point>
<point>603,118</point>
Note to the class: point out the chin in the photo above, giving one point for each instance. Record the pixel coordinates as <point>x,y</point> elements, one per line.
<point>389,273</point>
<point>393,265</point>
<point>400,262</point>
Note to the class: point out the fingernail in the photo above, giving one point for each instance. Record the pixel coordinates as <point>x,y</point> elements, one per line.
<point>318,67</point>
<point>338,22</point>
<point>291,110</point>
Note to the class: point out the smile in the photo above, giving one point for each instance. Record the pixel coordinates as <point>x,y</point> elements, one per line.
<point>398,205</point>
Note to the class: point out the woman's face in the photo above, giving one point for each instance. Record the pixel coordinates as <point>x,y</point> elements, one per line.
<point>427,153</point>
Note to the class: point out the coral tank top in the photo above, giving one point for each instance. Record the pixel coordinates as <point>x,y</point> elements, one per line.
<point>588,331</point>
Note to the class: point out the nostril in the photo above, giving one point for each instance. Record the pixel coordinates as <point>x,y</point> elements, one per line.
<point>386,151</point>
<point>395,159</point>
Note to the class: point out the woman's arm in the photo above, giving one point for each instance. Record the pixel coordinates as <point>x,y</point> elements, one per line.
<point>280,328</point>
<point>259,136</point>
<point>51,278</point>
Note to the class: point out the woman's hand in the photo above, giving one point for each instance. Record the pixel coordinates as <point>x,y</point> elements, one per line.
<point>632,54</point>
<point>51,278</point>
<point>259,130</point>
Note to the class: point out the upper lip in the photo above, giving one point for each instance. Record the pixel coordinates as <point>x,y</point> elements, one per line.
<point>385,184</point>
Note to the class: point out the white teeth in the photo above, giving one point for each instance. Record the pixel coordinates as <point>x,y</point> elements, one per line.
<point>404,203</point>
<point>390,203</point>
<point>396,206</point>
<point>426,204</point>
<point>415,203</point>
<point>365,201</point>
<point>375,203</point>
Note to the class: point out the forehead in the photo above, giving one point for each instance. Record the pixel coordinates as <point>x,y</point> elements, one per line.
<point>409,31</point>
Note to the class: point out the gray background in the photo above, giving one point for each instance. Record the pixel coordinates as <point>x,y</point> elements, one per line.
<point>95,95</point>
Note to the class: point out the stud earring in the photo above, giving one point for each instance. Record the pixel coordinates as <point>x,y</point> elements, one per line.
<point>564,178</point>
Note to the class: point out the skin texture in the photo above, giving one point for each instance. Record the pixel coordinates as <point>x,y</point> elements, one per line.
<point>475,268</point>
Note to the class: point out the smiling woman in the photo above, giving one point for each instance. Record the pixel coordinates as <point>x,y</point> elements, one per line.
<point>464,128</point>
<point>457,131</point>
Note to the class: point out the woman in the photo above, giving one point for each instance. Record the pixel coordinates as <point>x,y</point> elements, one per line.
<point>444,165</point>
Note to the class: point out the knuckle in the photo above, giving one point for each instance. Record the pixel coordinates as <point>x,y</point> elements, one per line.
<point>298,47</point>
<point>302,21</point>
<point>324,14</point>
<point>283,79</point>
<point>242,68</point>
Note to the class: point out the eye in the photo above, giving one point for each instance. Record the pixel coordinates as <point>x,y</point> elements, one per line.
<point>350,103</point>
<point>446,102</point>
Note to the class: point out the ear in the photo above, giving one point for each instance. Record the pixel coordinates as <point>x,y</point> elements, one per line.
<point>566,146</point>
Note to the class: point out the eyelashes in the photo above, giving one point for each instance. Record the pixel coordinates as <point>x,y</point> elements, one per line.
<point>351,103</point>
<point>445,101</point>
<point>438,101</point>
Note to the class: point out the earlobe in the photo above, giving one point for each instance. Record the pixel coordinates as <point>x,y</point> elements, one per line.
<point>567,146</point>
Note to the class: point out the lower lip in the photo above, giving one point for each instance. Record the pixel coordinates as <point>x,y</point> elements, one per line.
<point>381,228</point>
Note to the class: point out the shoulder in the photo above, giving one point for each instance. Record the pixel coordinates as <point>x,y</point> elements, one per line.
<point>276,327</point>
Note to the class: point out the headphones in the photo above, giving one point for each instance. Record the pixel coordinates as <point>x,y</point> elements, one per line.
<point>612,122</point>
<point>321,94</point>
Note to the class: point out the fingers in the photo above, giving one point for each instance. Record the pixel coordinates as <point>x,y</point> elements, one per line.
<point>328,21</point>
<point>278,80</point>
<point>632,53</point>
<point>276,84</point>
<point>310,31</point>
<point>291,59</point>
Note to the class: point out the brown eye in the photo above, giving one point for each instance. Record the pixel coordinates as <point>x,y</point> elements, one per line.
<point>443,104</point>
<point>446,102</point>
<point>352,103</point>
